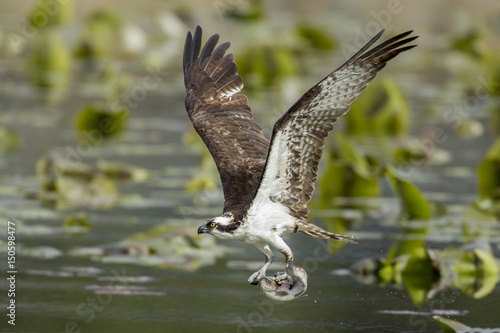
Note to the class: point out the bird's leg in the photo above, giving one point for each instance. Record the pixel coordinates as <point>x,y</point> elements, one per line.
<point>281,246</point>
<point>261,273</point>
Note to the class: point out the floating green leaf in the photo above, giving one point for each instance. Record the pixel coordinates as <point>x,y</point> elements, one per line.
<point>408,258</point>
<point>489,173</point>
<point>419,274</point>
<point>469,128</point>
<point>49,13</point>
<point>102,36</point>
<point>482,210</point>
<point>477,272</point>
<point>315,36</point>
<point>414,205</point>
<point>50,66</point>
<point>202,181</point>
<point>96,122</point>
<point>241,10</point>
<point>122,171</point>
<point>451,326</point>
<point>348,173</point>
<point>380,111</point>
<point>9,140</point>
<point>77,224</point>
<point>166,246</point>
<point>495,120</point>
<point>65,166</point>
<point>263,66</point>
<point>207,178</point>
<point>468,42</point>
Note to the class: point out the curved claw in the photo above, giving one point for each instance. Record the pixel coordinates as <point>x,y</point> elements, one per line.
<point>256,277</point>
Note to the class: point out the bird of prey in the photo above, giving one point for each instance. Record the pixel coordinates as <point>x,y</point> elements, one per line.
<point>267,185</point>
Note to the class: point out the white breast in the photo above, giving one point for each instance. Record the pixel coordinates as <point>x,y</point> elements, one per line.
<point>264,221</point>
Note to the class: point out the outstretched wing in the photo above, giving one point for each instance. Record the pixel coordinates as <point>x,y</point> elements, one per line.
<point>222,120</point>
<point>299,136</point>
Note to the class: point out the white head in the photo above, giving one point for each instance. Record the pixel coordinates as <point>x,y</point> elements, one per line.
<point>220,227</point>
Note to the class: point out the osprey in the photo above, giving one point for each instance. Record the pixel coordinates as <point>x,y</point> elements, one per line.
<point>267,185</point>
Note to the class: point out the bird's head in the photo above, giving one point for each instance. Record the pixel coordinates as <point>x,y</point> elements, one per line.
<point>221,226</point>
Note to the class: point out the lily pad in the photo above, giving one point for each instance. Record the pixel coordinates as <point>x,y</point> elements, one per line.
<point>266,65</point>
<point>381,111</point>
<point>65,193</point>
<point>469,42</point>
<point>9,140</point>
<point>414,204</point>
<point>451,326</point>
<point>489,173</point>
<point>49,13</point>
<point>56,166</point>
<point>315,36</point>
<point>97,122</point>
<point>477,272</point>
<point>50,66</point>
<point>165,246</point>
<point>495,120</point>
<point>348,174</point>
<point>241,10</point>
<point>77,224</point>
<point>122,171</point>
<point>102,36</point>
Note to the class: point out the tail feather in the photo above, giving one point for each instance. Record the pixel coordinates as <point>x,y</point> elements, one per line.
<point>312,230</point>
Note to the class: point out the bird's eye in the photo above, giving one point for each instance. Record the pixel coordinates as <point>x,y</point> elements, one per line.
<point>212,225</point>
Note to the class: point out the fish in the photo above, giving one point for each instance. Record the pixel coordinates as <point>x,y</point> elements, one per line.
<point>285,286</point>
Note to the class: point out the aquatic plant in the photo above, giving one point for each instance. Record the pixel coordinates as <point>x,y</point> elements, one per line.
<point>315,36</point>
<point>9,140</point>
<point>77,224</point>
<point>98,121</point>
<point>102,36</point>
<point>469,42</point>
<point>207,178</point>
<point>487,206</point>
<point>50,66</point>
<point>264,66</point>
<point>453,326</point>
<point>68,184</point>
<point>122,171</point>
<point>51,13</point>
<point>249,10</point>
<point>381,111</point>
<point>166,246</point>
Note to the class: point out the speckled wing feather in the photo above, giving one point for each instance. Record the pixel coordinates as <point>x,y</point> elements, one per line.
<point>222,120</point>
<point>299,136</point>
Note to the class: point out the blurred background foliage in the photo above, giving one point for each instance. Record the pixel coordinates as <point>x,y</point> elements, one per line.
<point>423,139</point>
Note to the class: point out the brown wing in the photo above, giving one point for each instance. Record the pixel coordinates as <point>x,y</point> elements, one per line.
<point>299,136</point>
<point>222,120</point>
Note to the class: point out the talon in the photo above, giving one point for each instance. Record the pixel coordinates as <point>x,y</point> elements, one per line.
<point>256,277</point>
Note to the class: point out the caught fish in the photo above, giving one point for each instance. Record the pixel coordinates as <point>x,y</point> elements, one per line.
<point>286,286</point>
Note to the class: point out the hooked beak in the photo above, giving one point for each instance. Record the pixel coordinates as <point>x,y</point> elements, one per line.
<point>203,229</point>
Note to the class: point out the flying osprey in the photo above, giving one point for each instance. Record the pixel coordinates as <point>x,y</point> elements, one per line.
<point>267,185</point>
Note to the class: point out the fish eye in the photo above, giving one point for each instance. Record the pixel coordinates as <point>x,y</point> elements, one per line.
<point>212,225</point>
